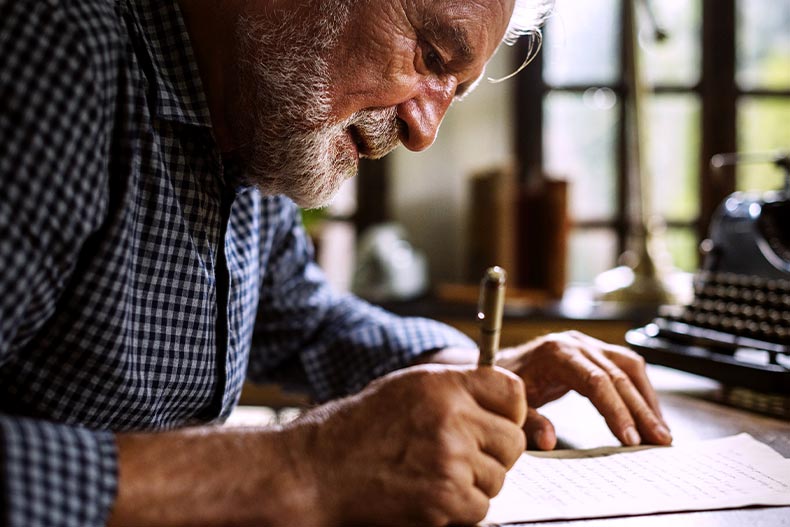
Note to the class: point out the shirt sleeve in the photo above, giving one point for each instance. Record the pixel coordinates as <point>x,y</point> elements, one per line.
<point>56,475</point>
<point>52,142</point>
<point>342,341</point>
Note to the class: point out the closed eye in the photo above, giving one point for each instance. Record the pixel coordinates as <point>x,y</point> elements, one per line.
<point>433,59</point>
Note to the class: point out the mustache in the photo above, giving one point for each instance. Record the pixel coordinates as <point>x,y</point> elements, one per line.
<point>376,132</point>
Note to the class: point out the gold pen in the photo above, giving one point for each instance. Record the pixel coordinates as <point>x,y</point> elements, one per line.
<point>489,313</point>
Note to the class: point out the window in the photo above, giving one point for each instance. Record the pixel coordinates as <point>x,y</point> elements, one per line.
<point>720,82</point>
<point>763,80</point>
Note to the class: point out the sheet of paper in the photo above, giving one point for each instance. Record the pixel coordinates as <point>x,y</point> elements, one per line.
<point>723,473</point>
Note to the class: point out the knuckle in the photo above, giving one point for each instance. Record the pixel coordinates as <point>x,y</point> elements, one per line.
<point>646,416</point>
<point>448,456</point>
<point>597,380</point>
<point>551,346</point>
<point>438,505</point>
<point>521,443</point>
<point>449,452</point>
<point>628,354</point>
<point>514,384</point>
<point>498,483</point>
<point>513,444</point>
<point>620,379</point>
<point>479,509</point>
<point>434,516</point>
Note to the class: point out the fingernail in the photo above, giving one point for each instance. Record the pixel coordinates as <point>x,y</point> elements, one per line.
<point>663,434</point>
<point>632,436</point>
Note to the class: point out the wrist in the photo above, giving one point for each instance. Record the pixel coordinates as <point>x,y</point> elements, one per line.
<point>301,496</point>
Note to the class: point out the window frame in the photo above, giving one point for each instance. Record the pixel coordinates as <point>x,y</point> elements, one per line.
<point>718,94</point>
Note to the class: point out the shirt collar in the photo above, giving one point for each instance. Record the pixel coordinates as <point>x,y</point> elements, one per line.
<point>160,39</point>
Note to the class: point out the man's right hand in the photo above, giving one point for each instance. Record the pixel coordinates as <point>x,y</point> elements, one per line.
<point>428,445</point>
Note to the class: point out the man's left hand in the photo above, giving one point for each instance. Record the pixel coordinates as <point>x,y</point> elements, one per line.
<point>612,377</point>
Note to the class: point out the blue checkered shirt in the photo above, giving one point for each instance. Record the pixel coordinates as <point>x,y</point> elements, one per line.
<point>139,286</point>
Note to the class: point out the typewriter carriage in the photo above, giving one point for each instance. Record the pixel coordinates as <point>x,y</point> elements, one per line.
<point>750,232</point>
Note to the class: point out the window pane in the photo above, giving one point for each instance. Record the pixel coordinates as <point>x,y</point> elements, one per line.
<point>676,60</point>
<point>682,246</point>
<point>581,43</point>
<point>591,252</point>
<point>673,155</point>
<point>763,43</point>
<point>579,135</point>
<point>763,126</point>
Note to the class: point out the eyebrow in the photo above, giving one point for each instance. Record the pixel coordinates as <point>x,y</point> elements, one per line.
<point>455,36</point>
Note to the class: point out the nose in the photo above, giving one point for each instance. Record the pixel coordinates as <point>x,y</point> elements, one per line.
<point>423,113</point>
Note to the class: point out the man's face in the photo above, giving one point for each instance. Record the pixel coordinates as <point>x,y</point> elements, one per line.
<point>353,80</point>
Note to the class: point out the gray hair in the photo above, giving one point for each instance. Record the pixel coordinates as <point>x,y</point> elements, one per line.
<point>528,16</point>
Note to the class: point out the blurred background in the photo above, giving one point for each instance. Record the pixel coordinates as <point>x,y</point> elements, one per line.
<point>719,82</point>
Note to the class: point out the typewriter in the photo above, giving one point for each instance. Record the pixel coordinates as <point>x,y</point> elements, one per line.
<point>737,329</point>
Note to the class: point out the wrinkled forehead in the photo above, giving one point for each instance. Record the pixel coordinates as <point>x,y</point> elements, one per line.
<point>476,27</point>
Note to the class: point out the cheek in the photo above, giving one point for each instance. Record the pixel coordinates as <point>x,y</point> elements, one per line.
<point>375,90</point>
<point>378,77</point>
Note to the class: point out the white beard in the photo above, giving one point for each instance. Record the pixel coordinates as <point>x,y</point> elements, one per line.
<point>293,148</point>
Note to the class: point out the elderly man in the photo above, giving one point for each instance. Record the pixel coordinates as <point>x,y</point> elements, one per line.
<point>150,261</point>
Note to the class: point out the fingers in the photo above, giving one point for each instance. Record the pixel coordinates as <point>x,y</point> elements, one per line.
<point>499,391</point>
<point>447,503</point>
<point>470,507</point>
<point>614,394</point>
<point>617,360</point>
<point>499,438</point>
<point>631,363</point>
<point>489,475</point>
<point>648,423</point>
<point>634,365</point>
<point>540,432</point>
<point>469,476</point>
<point>461,495</point>
<point>591,381</point>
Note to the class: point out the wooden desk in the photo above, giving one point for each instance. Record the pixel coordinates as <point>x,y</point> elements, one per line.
<point>688,407</point>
